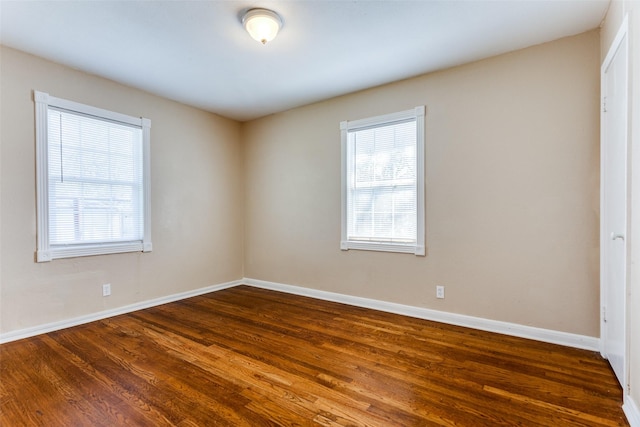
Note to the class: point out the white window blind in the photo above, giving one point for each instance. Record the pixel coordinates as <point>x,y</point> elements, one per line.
<point>93,180</point>
<point>383,207</point>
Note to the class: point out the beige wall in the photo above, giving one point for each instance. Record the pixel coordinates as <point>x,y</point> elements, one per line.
<point>615,16</point>
<point>196,187</point>
<point>512,195</point>
<point>512,156</point>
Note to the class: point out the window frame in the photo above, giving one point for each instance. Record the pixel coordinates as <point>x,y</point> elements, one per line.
<point>417,248</point>
<point>45,251</point>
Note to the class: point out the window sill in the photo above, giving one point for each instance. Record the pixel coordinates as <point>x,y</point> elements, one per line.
<point>74,251</point>
<point>383,247</point>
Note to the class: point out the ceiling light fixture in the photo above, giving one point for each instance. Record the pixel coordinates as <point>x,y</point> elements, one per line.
<point>262,24</point>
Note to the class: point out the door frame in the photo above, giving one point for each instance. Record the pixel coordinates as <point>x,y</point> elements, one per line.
<point>622,33</point>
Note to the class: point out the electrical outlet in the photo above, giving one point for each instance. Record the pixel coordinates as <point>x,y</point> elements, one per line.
<point>106,289</point>
<point>440,292</point>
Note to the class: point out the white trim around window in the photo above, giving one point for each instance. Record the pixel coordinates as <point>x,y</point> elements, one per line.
<point>116,181</point>
<point>390,188</point>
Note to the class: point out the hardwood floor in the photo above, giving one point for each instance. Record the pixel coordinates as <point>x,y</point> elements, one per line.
<point>251,357</point>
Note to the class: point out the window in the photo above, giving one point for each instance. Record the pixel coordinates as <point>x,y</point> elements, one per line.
<point>92,180</point>
<point>383,183</point>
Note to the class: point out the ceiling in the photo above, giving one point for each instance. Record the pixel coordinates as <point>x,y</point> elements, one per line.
<point>198,53</point>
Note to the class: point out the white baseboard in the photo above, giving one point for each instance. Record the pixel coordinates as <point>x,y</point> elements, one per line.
<point>632,412</point>
<point>55,326</point>
<point>545,335</point>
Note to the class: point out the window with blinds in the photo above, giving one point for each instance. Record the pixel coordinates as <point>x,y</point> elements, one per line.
<point>383,183</point>
<point>93,189</point>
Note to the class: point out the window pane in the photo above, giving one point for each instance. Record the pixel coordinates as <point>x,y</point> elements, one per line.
<point>381,197</point>
<point>95,180</point>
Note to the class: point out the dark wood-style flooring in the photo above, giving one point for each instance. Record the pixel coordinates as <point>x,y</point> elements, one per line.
<point>251,357</point>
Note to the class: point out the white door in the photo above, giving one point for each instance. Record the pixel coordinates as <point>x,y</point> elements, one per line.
<point>614,204</point>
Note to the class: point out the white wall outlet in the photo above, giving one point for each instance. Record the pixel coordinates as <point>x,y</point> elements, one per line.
<point>440,292</point>
<point>106,289</point>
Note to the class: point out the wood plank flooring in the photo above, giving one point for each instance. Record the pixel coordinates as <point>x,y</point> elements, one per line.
<point>251,357</point>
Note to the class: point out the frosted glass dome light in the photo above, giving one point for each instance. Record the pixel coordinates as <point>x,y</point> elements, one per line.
<point>262,24</point>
